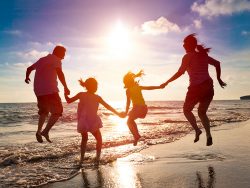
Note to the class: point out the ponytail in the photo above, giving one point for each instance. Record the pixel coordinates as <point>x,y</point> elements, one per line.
<point>201,49</point>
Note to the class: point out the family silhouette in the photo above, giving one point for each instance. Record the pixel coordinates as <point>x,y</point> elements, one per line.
<point>49,68</point>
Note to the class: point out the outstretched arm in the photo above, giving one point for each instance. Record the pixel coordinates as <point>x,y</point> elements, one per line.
<point>151,87</point>
<point>216,64</point>
<point>106,105</point>
<point>71,99</point>
<point>174,77</point>
<point>62,80</point>
<point>28,71</point>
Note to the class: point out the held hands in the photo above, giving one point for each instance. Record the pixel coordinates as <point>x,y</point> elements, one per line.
<point>222,84</point>
<point>122,114</point>
<point>163,85</point>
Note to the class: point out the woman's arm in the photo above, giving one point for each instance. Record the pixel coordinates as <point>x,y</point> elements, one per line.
<point>72,99</point>
<point>217,66</point>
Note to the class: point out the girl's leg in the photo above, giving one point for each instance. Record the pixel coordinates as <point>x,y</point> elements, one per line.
<point>83,145</point>
<point>133,129</point>
<point>98,137</point>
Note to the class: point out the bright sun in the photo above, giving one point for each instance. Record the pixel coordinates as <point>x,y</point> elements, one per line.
<point>119,41</point>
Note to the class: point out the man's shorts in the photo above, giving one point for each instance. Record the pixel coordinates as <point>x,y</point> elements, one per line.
<point>202,94</point>
<point>138,111</point>
<point>49,104</point>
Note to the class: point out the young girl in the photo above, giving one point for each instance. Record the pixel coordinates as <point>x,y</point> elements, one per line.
<point>88,120</point>
<point>140,109</point>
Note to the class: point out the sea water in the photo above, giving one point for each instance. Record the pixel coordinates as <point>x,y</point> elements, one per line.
<point>25,163</point>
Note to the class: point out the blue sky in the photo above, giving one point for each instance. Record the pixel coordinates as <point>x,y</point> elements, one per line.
<point>107,38</point>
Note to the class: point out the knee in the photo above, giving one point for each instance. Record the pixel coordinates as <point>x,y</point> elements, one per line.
<point>186,111</point>
<point>202,113</point>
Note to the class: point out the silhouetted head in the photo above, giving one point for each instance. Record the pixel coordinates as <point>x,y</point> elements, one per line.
<point>190,43</point>
<point>129,79</point>
<point>59,51</point>
<point>90,84</point>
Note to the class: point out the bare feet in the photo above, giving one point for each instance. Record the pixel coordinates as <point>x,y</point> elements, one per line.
<point>197,135</point>
<point>46,136</point>
<point>136,139</point>
<point>39,137</point>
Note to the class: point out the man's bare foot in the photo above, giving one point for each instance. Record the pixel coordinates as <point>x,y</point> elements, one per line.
<point>46,136</point>
<point>197,135</point>
<point>209,141</point>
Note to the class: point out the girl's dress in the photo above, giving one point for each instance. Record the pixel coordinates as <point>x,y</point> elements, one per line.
<point>88,120</point>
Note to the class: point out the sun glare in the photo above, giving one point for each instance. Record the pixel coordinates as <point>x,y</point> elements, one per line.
<point>119,41</point>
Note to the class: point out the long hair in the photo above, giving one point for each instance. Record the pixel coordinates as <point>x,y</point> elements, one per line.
<point>129,78</point>
<point>191,42</point>
<point>90,84</point>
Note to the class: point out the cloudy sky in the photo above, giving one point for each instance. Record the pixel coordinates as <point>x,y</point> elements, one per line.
<point>107,38</point>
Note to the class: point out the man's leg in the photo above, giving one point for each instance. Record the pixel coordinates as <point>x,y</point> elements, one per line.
<point>51,122</point>
<point>56,109</point>
<point>41,121</point>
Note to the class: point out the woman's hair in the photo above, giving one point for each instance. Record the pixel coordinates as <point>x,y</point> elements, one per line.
<point>191,42</point>
<point>90,84</point>
<point>129,78</point>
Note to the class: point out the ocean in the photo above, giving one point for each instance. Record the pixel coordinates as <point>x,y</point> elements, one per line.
<point>26,163</point>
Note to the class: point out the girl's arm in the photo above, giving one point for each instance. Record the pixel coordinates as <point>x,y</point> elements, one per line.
<point>106,105</point>
<point>128,101</point>
<point>72,99</point>
<point>151,87</point>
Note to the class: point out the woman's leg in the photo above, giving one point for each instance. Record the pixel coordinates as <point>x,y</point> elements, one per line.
<point>190,101</point>
<point>202,112</point>
<point>133,129</point>
<point>83,145</point>
<point>98,137</point>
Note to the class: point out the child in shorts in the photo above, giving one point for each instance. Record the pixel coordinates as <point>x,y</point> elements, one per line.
<point>134,94</point>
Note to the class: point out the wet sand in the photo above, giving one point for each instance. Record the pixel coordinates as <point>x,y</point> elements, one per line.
<point>180,164</point>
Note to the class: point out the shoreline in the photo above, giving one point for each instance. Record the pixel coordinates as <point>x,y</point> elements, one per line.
<point>178,164</point>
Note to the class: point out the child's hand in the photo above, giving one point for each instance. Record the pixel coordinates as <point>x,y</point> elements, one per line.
<point>122,114</point>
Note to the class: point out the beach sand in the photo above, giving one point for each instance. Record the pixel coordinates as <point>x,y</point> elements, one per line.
<point>179,164</point>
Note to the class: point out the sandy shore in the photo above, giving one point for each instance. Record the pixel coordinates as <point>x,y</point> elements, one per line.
<point>179,164</point>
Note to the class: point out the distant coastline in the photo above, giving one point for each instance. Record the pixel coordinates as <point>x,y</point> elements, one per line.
<point>246,97</point>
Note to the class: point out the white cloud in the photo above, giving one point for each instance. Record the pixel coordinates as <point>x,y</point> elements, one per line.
<point>32,54</point>
<point>13,32</point>
<point>245,33</point>
<point>211,8</point>
<point>22,65</point>
<point>160,26</point>
<point>198,24</point>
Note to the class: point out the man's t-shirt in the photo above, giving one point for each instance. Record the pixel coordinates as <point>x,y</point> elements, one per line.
<point>45,81</point>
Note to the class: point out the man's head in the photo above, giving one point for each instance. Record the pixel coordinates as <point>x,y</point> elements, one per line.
<point>59,51</point>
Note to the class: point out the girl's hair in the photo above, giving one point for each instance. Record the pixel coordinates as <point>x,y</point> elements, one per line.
<point>129,78</point>
<point>90,84</point>
<point>191,41</point>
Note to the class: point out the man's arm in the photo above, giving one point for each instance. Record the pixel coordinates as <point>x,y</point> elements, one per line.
<point>62,80</point>
<point>28,71</point>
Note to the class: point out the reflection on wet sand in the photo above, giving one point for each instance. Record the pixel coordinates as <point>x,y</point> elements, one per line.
<point>121,175</point>
<point>210,181</point>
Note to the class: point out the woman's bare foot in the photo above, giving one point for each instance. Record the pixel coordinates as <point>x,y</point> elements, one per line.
<point>197,135</point>
<point>46,136</point>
